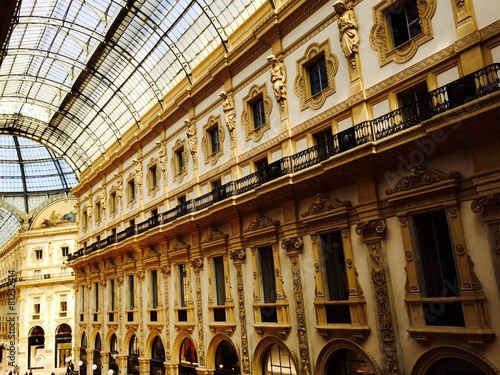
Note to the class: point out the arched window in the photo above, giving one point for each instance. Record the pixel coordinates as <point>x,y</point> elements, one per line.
<point>113,350</point>
<point>63,345</point>
<point>133,356</point>
<point>188,358</point>
<point>83,355</point>
<point>36,347</point>
<point>277,360</point>
<point>157,358</point>
<point>97,352</point>
<point>347,362</point>
<point>451,366</point>
<point>226,359</point>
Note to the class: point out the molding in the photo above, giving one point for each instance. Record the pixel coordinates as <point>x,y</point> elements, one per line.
<point>419,177</point>
<point>246,116</point>
<point>380,32</point>
<point>214,122</point>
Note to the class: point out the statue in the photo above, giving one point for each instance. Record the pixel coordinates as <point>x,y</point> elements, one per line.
<point>119,185</point>
<point>228,108</point>
<point>348,31</point>
<point>138,172</point>
<point>102,196</point>
<point>278,78</point>
<point>191,136</point>
<point>163,157</point>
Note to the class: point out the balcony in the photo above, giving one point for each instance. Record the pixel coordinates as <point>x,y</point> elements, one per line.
<point>457,93</point>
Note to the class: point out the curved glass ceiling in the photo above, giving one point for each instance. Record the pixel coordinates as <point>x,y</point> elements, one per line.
<point>76,74</point>
<point>27,167</point>
<point>30,174</point>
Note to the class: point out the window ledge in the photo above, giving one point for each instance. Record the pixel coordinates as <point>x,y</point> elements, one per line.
<point>184,326</point>
<point>229,328</point>
<point>357,332</point>
<point>282,329</point>
<point>472,336</point>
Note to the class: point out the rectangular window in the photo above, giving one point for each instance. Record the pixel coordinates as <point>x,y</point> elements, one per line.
<point>85,219</point>
<point>131,190</point>
<point>404,21</point>
<point>63,305</point>
<point>181,163</point>
<point>82,298</point>
<point>64,271</point>
<point>154,289</point>
<point>65,251</point>
<point>113,202</point>
<point>96,297</point>
<point>220,283</point>
<point>153,176</point>
<point>334,268</point>
<point>38,274</point>
<point>36,305</point>
<point>98,211</point>
<point>182,285</point>
<point>318,80</point>
<point>437,269</point>
<point>112,297</point>
<point>38,254</point>
<point>415,104</point>
<point>258,114</point>
<point>131,302</point>
<point>214,140</point>
<point>268,284</point>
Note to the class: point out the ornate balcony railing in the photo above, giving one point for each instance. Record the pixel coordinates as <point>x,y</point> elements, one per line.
<point>465,89</point>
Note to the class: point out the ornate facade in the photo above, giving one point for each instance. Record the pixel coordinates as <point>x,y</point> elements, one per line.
<point>349,223</point>
<point>37,298</point>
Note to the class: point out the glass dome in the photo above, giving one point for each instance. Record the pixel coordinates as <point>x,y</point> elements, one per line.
<point>30,173</point>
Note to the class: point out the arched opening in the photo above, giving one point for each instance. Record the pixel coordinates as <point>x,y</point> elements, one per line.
<point>454,366</point>
<point>277,360</point>
<point>113,353</point>
<point>97,355</point>
<point>188,358</point>
<point>133,356</point>
<point>226,359</point>
<point>63,345</point>
<point>36,347</point>
<point>83,355</point>
<point>348,362</point>
<point>156,366</point>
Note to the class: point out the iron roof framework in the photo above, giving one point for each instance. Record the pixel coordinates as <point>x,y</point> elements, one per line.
<point>75,74</point>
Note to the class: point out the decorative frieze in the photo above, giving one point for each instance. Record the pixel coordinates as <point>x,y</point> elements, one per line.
<point>420,176</point>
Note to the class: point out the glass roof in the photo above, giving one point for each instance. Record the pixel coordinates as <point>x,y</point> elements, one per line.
<point>76,74</point>
<point>30,173</point>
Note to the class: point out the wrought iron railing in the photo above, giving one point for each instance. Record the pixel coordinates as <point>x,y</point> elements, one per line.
<point>465,89</point>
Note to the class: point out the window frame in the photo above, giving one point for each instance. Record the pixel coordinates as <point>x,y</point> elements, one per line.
<point>213,125</point>
<point>381,38</point>
<point>438,195</point>
<point>256,93</point>
<point>302,83</point>
<point>179,160</point>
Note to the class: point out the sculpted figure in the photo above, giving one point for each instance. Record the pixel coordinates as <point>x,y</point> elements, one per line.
<point>163,156</point>
<point>191,136</point>
<point>278,78</point>
<point>138,172</point>
<point>348,31</point>
<point>228,108</point>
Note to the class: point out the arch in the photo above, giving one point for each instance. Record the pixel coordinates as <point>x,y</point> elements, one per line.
<point>133,353</point>
<point>63,343</point>
<point>432,356</point>
<point>36,346</point>
<point>212,349</point>
<point>157,357</point>
<point>338,344</point>
<point>261,351</point>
